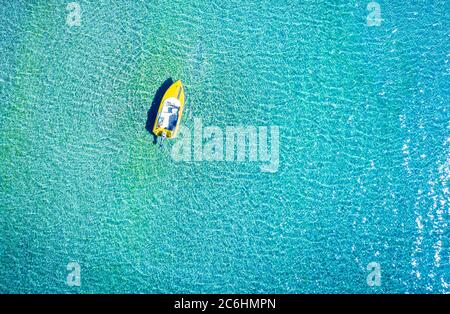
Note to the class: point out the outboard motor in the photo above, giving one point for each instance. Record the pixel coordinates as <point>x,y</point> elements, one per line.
<point>163,138</point>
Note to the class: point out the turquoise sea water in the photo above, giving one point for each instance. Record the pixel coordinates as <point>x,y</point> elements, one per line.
<point>363,114</point>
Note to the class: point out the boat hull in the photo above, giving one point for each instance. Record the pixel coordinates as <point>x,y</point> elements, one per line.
<point>170,108</point>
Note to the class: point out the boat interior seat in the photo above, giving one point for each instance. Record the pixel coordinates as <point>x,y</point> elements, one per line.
<point>172,122</point>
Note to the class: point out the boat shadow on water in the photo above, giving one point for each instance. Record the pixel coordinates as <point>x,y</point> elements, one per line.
<point>153,111</point>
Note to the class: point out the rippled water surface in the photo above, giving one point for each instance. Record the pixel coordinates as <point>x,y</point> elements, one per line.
<point>364,147</point>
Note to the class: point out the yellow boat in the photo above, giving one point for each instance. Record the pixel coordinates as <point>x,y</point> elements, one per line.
<point>170,111</point>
